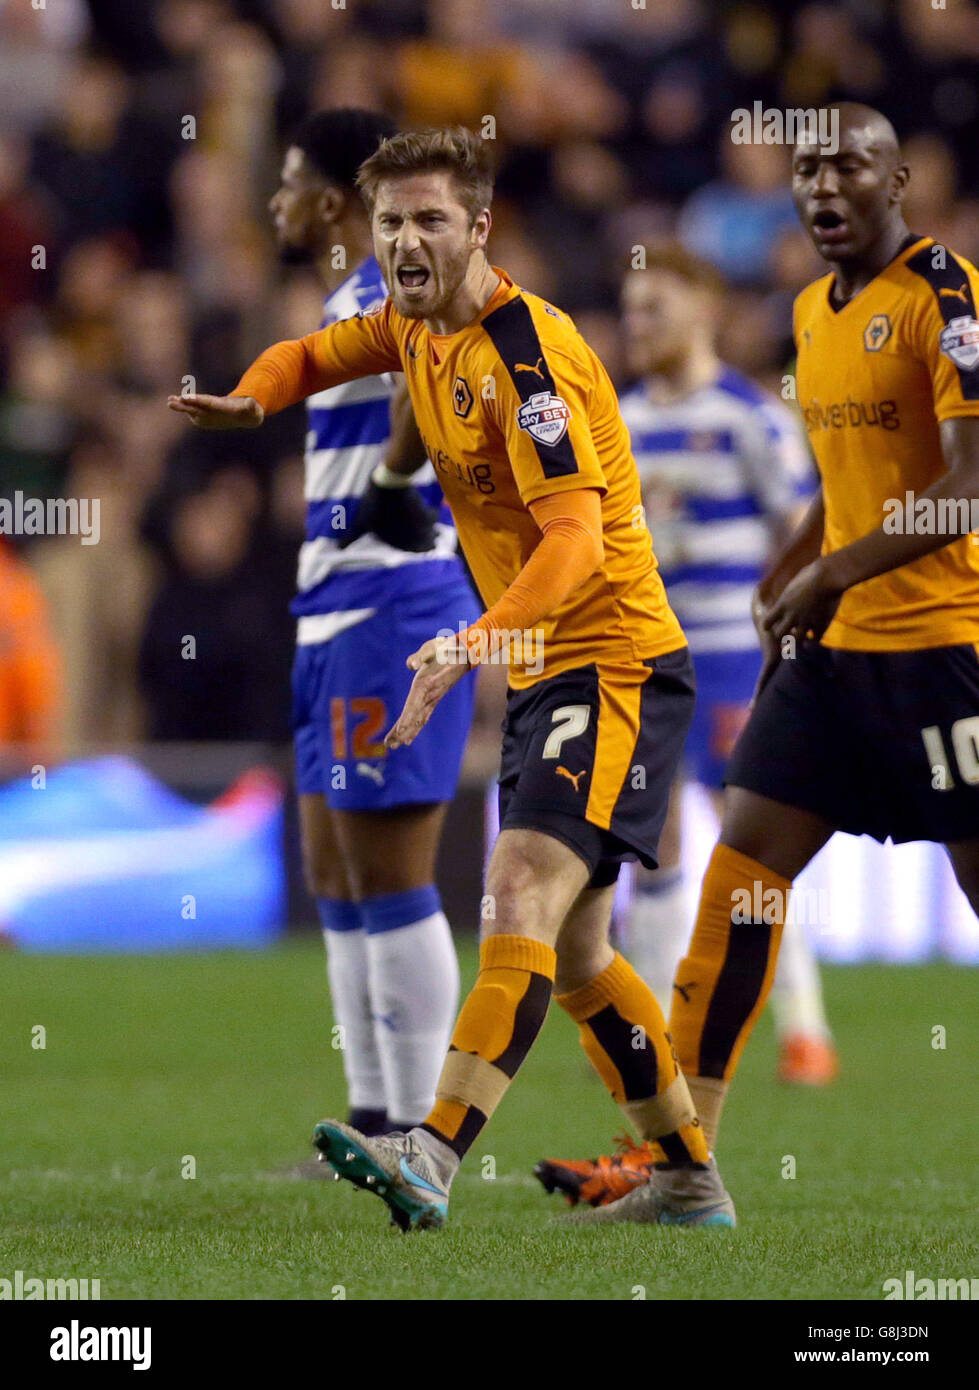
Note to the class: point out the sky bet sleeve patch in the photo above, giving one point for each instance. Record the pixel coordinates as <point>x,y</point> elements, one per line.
<point>545,418</point>
<point>959,341</point>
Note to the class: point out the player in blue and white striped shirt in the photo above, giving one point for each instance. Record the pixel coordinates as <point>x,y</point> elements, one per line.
<point>725,470</point>
<point>378,574</point>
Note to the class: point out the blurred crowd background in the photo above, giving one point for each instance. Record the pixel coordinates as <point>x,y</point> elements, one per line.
<point>139,146</point>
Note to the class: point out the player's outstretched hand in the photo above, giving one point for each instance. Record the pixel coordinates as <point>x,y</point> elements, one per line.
<point>218,412</point>
<point>438,665</point>
<point>806,606</point>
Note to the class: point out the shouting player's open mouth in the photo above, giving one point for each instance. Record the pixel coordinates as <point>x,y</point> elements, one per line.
<point>412,276</point>
<point>829,227</point>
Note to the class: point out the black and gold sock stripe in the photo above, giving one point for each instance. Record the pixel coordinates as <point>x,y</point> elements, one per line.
<point>494,1032</point>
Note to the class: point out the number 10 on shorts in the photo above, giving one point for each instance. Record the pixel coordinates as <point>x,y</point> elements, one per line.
<point>965,746</point>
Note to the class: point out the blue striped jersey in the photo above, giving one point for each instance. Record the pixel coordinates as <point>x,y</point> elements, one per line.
<point>347,436</point>
<point>716,468</point>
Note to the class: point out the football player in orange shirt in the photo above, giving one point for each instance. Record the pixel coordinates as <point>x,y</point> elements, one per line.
<point>522,424</point>
<point>867,714</point>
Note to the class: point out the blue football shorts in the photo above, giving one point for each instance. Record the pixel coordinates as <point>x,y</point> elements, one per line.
<point>348,692</point>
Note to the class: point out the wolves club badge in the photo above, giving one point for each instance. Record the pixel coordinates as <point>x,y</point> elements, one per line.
<point>960,342</point>
<point>877,332</point>
<point>462,397</point>
<point>545,418</point>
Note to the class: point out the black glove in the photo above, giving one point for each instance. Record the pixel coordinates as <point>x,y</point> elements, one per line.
<point>396,515</point>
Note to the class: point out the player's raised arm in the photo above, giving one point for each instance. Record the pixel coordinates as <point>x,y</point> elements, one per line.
<point>290,371</point>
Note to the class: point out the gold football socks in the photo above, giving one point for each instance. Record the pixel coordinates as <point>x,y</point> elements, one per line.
<point>624,1035</point>
<point>722,983</point>
<point>493,1034</point>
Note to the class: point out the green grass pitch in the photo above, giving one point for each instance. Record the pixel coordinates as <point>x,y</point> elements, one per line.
<point>227,1059</point>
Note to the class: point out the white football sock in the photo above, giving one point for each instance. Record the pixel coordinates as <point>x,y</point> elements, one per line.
<point>797,992</point>
<point>660,926</point>
<point>347,971</point>
<point>414,984</point>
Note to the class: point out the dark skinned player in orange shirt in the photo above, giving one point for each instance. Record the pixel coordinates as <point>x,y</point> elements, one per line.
<point>867,715</point>
<point>522,424</point>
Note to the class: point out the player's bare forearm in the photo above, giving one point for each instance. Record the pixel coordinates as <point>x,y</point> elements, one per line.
<point>899,544</point>
<point>405,452</point>
<point>797,552</point>
<point>799,549</point>
<point>807,604</point>
<point>783,528</point>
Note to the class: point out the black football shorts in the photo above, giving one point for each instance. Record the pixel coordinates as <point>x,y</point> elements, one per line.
<point>589,757</point>
<point>878,743</point>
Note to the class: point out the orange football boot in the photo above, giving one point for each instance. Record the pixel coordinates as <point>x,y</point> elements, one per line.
<point>598,1181</point>
<point>808,1061</point>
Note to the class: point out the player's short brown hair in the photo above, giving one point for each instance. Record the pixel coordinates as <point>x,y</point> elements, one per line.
<point>673,256</point>
<point>455,149</point>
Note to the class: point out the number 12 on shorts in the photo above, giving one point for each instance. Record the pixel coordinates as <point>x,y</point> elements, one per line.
<point>358,726</point>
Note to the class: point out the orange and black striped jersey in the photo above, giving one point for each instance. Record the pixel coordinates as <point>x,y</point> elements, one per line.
<point>875,377</point>
<point>513,408</point>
